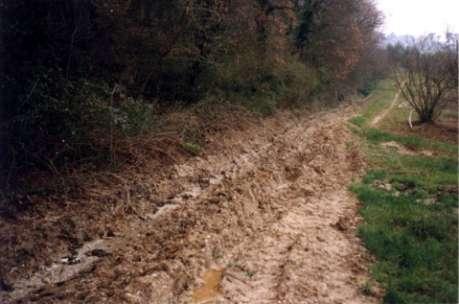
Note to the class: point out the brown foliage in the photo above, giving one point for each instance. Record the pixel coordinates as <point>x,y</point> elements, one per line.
<point>338,34</point>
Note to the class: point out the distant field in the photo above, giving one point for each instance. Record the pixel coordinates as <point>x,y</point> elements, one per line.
<point>410,201</point>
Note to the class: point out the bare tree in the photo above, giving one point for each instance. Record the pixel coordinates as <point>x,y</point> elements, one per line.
<point>427,76</point>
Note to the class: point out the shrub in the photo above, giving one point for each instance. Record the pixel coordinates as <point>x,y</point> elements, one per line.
<point>67,122</point>
<point>298,82</point>
<point>262,104</point>
<point>134,117</point>
<point>427,77</point>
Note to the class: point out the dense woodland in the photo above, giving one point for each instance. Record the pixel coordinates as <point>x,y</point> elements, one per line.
<point>74,72</point>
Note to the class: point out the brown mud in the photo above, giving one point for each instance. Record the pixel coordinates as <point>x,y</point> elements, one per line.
<point>264,217</point>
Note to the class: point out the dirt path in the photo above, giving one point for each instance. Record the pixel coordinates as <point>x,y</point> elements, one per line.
<point>267,220</point>
<point>383,114</point>
<point>306,257</point>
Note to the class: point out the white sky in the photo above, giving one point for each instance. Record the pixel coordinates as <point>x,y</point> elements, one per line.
<point>419,17</point>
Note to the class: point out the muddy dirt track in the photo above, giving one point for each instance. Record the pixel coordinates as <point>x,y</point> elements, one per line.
<point>267,219</point>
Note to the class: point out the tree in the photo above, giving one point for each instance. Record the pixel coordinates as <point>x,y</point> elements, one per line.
<point>427,76</point>
<point>334,35</point>
<point>59,61</point>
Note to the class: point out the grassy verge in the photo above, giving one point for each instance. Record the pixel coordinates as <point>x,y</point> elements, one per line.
<point>410,213</point>
<point>379,99</point>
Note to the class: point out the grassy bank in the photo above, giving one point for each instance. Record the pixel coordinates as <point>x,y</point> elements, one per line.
<point>409,198</point>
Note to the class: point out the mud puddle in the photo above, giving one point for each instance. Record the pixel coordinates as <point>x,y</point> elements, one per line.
<point>64,268</point>
<point>210,287</point>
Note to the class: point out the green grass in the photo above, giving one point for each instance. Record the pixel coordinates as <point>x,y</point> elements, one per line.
<point>358,121</point>
<point>192,148</point>
<point>381,97</point>
<point>428,172</point>
<point>410,215</point>
<point>376,136</point>
<point>415,242</point>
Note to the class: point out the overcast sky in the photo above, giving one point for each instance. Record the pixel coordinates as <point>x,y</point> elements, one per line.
<point>418,17</point>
